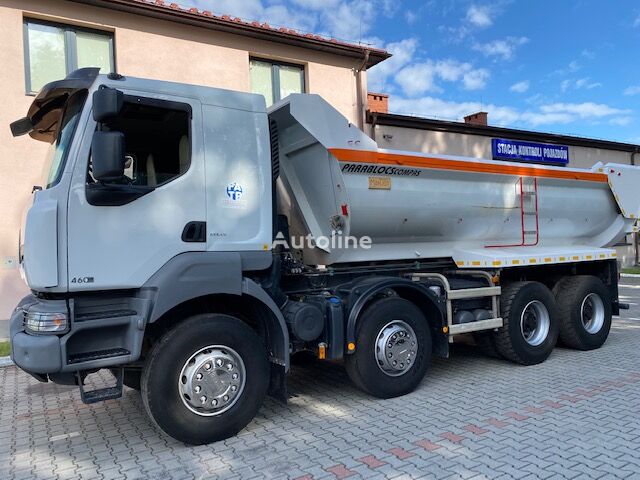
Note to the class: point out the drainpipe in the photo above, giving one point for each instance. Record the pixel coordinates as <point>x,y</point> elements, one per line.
<point>636,235</point>
<point>359,99</point>
<point>374,122</point>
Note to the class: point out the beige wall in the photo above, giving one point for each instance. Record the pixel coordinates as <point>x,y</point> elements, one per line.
<point>144,47</point>
<point>478,146</point>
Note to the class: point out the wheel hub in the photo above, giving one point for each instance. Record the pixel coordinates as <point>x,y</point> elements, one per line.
<point>396,348</point>
<point>535,323</point>
<point>212,380</point>
<point>592,313</point>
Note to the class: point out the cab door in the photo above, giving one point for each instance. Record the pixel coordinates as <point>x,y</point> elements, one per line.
<point>118,240</point>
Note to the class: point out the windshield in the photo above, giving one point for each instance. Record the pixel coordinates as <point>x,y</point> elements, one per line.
<point>57,156</point>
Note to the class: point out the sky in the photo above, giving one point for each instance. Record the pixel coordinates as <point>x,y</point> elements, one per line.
<point>569,67</point>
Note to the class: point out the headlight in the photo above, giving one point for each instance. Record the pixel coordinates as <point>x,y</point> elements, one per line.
<point>46,322</point>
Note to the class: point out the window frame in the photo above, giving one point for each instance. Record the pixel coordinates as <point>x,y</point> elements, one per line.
<point>167,105</point>
<point>275,75</point>
<point>70,47</point>
<point>116,195</point>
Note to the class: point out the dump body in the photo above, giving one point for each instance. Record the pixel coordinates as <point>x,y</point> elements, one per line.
<point>417,206</point>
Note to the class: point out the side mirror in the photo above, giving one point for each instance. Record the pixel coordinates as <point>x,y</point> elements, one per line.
<point>107,103</point>
<point>107,156</point>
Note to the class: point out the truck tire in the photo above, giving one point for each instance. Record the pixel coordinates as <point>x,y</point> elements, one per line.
<point>393,348</point>
<point>205,379</point>
<point>584,305</point>
<point>130,378</point>
<point>530,329</point>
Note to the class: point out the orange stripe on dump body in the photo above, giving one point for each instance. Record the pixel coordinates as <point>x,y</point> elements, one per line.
<point>362,156</point>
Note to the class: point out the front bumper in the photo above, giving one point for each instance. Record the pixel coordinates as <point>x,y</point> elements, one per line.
<point>103,333</point>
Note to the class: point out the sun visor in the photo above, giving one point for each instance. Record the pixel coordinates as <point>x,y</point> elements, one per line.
<point>43,118</point>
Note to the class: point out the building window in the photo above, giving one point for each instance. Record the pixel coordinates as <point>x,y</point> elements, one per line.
<point>53,51</point>
<point>275,80</point>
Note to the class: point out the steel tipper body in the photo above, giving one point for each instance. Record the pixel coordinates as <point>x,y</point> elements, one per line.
<point>481,213</point>
<point>164,245</point>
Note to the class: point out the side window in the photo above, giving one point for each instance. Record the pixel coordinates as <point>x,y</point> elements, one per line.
<point>157,142</point>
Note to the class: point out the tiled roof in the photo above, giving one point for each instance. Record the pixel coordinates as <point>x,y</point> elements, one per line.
<point>173,11</point>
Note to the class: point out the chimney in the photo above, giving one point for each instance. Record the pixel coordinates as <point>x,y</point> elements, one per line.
<point>378,102</point>
<point>479,118</point>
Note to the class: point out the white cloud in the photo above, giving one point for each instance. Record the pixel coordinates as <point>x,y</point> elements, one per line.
<point>480,16</point>
<point>621,121</point>
<point>632,90</point>
<point>276,15</point>
<point>549,114</point>
<point>411,17</point>
<point>315,4</point>
<point>403,53</point>
<point>475,79</point>
<point>574,66</point>
<point>587,83</point>
<point>417,79</point>
<point>583,110</point>
<point>636,22</point>
<point>577,84</point>
<point>420,78</point>
<point>350,20</point>
<point>520,87</point>
<point>504,49</point>
<point>590,54</point>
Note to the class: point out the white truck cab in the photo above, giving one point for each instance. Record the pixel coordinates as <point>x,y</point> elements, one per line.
<point>153,248</point>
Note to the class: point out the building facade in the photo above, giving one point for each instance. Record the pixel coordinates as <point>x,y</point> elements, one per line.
<point>43,40</point>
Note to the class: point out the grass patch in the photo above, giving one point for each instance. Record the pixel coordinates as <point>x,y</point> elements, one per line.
<point>4,349</point>
<point>634,270</point>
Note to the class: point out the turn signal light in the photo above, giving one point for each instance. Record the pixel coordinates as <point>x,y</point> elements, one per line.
<point>322,351</point>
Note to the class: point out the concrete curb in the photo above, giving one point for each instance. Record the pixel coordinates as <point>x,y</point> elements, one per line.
<point>630,275</point>
<point>5,362</point>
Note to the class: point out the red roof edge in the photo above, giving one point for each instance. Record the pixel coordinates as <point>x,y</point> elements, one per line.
<point>173,12</point>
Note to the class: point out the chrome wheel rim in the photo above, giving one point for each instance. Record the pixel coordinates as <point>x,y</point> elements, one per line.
<point>592,313</point>
<point>212,380</point>
<point>535,323</point>
<point>396,348</point>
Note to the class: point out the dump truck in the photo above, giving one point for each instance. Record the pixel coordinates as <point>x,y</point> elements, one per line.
<point>192,241</point>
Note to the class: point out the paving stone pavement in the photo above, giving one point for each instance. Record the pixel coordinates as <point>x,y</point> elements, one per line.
<point>575,416</point>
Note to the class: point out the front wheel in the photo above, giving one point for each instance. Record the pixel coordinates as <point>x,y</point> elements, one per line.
<point>393,348</point>
<point>206,379</point>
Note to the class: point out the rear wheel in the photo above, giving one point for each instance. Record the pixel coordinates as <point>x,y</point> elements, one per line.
<point>393,348</point>
<point>530,329</point>
<point>585,311</point>
<point>206,379</point>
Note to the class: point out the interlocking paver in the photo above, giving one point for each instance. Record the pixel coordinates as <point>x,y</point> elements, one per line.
<point>574,416</point>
